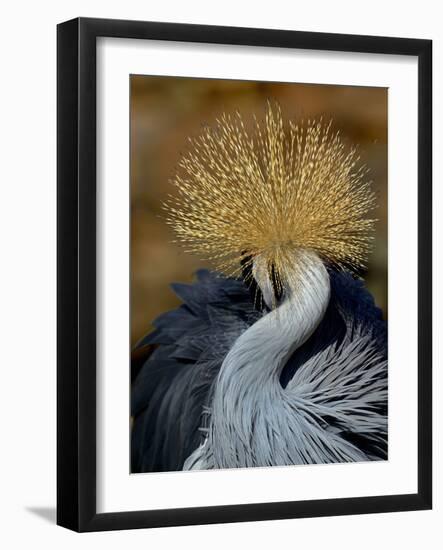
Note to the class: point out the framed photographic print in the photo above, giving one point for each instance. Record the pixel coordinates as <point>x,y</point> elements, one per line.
<point>244,274</point>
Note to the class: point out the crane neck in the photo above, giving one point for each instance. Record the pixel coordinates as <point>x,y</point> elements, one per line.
<point>265,347</point>
<point>248,385</point>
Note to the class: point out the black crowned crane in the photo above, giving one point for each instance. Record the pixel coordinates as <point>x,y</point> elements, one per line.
<point>278,357</point>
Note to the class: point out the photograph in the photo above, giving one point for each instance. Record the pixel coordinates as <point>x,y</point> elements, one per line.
<point>220,283</point>
<point>258,274</point>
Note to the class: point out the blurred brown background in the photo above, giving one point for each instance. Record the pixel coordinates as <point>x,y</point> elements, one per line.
<point>166,110</point>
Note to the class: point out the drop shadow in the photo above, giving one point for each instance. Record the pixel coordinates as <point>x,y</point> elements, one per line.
<point>45,512</point>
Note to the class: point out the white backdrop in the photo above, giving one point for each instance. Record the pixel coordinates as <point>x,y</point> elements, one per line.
<point>116,490</point>
<point>27,220</point>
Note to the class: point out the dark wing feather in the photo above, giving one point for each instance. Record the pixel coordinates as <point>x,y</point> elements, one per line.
<point>172,389</point>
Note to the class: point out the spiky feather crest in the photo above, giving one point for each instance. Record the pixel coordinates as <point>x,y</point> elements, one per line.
<point>271,192</point>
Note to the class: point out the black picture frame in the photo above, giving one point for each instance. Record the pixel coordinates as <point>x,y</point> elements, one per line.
<point>76,265</point>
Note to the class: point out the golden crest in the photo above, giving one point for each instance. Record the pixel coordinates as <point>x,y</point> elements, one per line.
<point>272,191</point>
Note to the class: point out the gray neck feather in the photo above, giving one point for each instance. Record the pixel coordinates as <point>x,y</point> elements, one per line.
<point>250,413</point>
